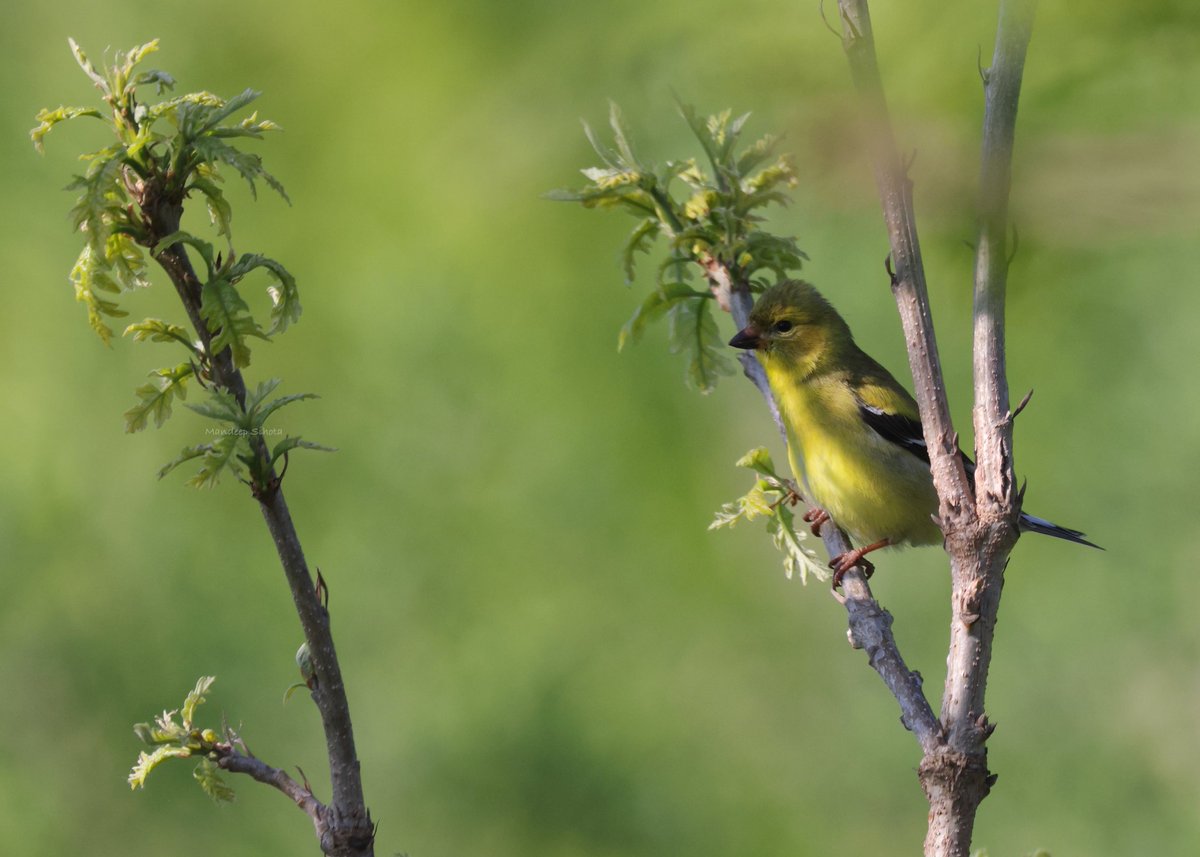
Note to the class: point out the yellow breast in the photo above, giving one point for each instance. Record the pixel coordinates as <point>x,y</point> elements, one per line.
<point>871,487</point>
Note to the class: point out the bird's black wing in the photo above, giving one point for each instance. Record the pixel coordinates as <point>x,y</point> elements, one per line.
<point>903,431</point>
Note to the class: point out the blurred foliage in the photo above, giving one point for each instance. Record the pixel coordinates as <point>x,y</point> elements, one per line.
<point>544,651</point>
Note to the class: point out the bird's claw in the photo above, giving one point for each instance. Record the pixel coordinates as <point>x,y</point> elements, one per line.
<point>816,517</point>
<point>842,563</point>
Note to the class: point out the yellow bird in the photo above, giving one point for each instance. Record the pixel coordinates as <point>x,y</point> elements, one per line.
<point>854,433</point>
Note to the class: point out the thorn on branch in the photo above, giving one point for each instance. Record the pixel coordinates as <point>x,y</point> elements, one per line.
<point>887,266</point>
<point>322,589</point>
<point>1021,405</point>
<point>985,74</point>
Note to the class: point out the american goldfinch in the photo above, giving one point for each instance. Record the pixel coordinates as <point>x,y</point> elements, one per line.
<point>854,433</point>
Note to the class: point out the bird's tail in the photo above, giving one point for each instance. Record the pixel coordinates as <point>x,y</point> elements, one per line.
<point>1031,524</point>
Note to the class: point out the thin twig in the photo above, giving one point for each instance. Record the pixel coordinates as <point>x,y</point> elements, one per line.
<point>237,763</point>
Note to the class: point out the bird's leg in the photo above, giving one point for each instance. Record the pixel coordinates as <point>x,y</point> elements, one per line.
<point>846,561</point>
<point>816,517</point>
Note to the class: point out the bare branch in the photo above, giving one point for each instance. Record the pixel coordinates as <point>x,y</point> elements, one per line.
<point>231,760</point>
<point>871,631</point>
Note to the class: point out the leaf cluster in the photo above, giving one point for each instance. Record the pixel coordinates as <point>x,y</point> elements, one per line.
<point>234,448</point>
<point>130,203</point>
<point>163,152</point>
<point>773,497</point>
<point>174,735</point>
<point>706,215</point>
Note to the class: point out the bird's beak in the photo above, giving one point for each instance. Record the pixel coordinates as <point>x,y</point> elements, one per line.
<point>748,337</point>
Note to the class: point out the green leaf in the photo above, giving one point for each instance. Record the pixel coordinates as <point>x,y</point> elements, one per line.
<point>157,396</point>
<point>194,699</point>
<point>207,775</point>
<point>204,248</point>
<point>693,332</point>
<point>258,395</point>
<point>101,207</point>
<point>621,137</point>
<point>50,118</point>
<point>189,453</point>
<point>228,319</point>
<point>758,460</point>
<point>652,308</point>
<point>221,455</point>
<point>125,259</point>
<point>220,212</point>
<point>132,58</point>
<point>157,330</point>
<point>759,151</point>
<point>259,415</point>
<point>753,504</point>
<point>797,559</point>
<point>233,105</point>
<point>289,443</point>
<point>248,165</point>
<point>160,79</point>
<point>88,69</point>
<point>285,297</point>
<point>773,497</point>
<point>88,278</point>
<point>221,405</point>
<point>291,689</point>
<point>639,241</point>
<point>171,107</point>
<point>147,762</point>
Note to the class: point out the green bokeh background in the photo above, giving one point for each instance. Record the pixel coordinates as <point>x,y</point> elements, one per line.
<point>546,652</point>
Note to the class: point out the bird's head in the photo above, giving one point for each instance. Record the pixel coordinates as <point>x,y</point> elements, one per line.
<point>793,324</point>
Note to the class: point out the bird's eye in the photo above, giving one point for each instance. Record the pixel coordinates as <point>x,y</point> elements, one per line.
<point>782,326</point>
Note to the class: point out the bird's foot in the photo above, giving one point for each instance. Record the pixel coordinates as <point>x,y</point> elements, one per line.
<point>816,517</point>
<point>842,563</point>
